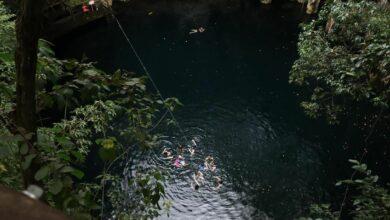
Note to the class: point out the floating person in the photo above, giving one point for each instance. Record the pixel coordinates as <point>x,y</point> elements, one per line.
<point>176,163</point>
<point>180,149</point>
<point>212,166</point>
<point>197,30</point>
<point>183,163</point>
<point>209,159</point>
<point>198,178</point>
<point>191,150</point>
<point>209,163</point>
<point>218,182</point>
<point>201,167</point>
<point>167,153</point>
<point>179,162</point>
<point>193,142</point>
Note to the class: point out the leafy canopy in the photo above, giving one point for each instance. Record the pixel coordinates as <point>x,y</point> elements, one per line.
<point>344,59</point>
<point>80,108</point>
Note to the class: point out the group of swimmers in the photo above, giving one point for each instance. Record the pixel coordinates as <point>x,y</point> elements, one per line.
<point>198,177</point>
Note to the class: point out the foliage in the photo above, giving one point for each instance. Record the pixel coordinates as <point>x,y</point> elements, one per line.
<point>344,62</point>
<point>371,202</point>
<point>344,59</point>
<point>80,108</point>
<point>141,194</point>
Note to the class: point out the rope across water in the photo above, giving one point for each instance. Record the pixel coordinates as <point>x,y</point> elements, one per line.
<point>149,76</point>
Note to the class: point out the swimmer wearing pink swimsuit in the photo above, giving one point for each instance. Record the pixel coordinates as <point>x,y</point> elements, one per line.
<point>177,163</point>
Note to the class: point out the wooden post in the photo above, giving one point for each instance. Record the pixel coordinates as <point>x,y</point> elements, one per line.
<point>28,29</point>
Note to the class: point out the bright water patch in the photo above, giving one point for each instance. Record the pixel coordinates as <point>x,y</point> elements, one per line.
<point>265,168</point>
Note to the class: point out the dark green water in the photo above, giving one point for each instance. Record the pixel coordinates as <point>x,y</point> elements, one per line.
<point>233,80</point>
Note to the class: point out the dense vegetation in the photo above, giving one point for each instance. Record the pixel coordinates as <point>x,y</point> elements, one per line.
<point>79,108</point>
<point>345,58</point>
<point>344,63</point>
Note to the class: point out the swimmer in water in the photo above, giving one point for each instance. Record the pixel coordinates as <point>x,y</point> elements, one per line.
<point>218,182</point>
<point>180,149</point>
<point>180,162</point>
<point>193,143</point>
<point>167,153</point>
<point>177,161</point>
<point>209,163</point>
<point>197,30</point>
<point>209,159</point>
<point>201,167</point>
<point>183,163</point>
<point>198,177</point>
<point>192,151</point>
<point>212,166</point>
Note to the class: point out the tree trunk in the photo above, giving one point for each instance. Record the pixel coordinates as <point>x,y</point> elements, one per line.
<point>28,28</point>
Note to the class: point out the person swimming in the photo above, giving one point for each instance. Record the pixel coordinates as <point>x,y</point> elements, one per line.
<point>201,167</point>
<point>209,163</point>
<point>198,177</point>
<point>218,182</point>
<point>179,162</point>
<point>183,163</point>
<point>197,30</point>
<point>180,149</point>
<point>191,150</point>
<point>167,153</point>
<point>193,142</point>
<point>212,166</point>
<point>209,159</point>
<point>176,163</point>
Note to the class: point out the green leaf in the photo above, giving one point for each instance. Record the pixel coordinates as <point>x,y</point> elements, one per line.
<point>56,187</point>
<point>45,48</point>
<point>67,169</point>
<point>353,161</point>
<point>77,155</point>
<point>108,143</point>
<point>77,173</point>
<point>107,154</point>
<point>64,141</point>
<point>42,173</point>
<point>91,72</point>
<point>27,161</point>
<point>24,149</point>
<point>6,57</point>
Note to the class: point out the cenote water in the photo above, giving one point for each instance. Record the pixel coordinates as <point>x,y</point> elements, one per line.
<point>238,105</point>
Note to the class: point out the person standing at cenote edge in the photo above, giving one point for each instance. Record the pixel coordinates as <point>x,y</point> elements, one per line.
<point>92,5</point>
<point>85,8</point>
